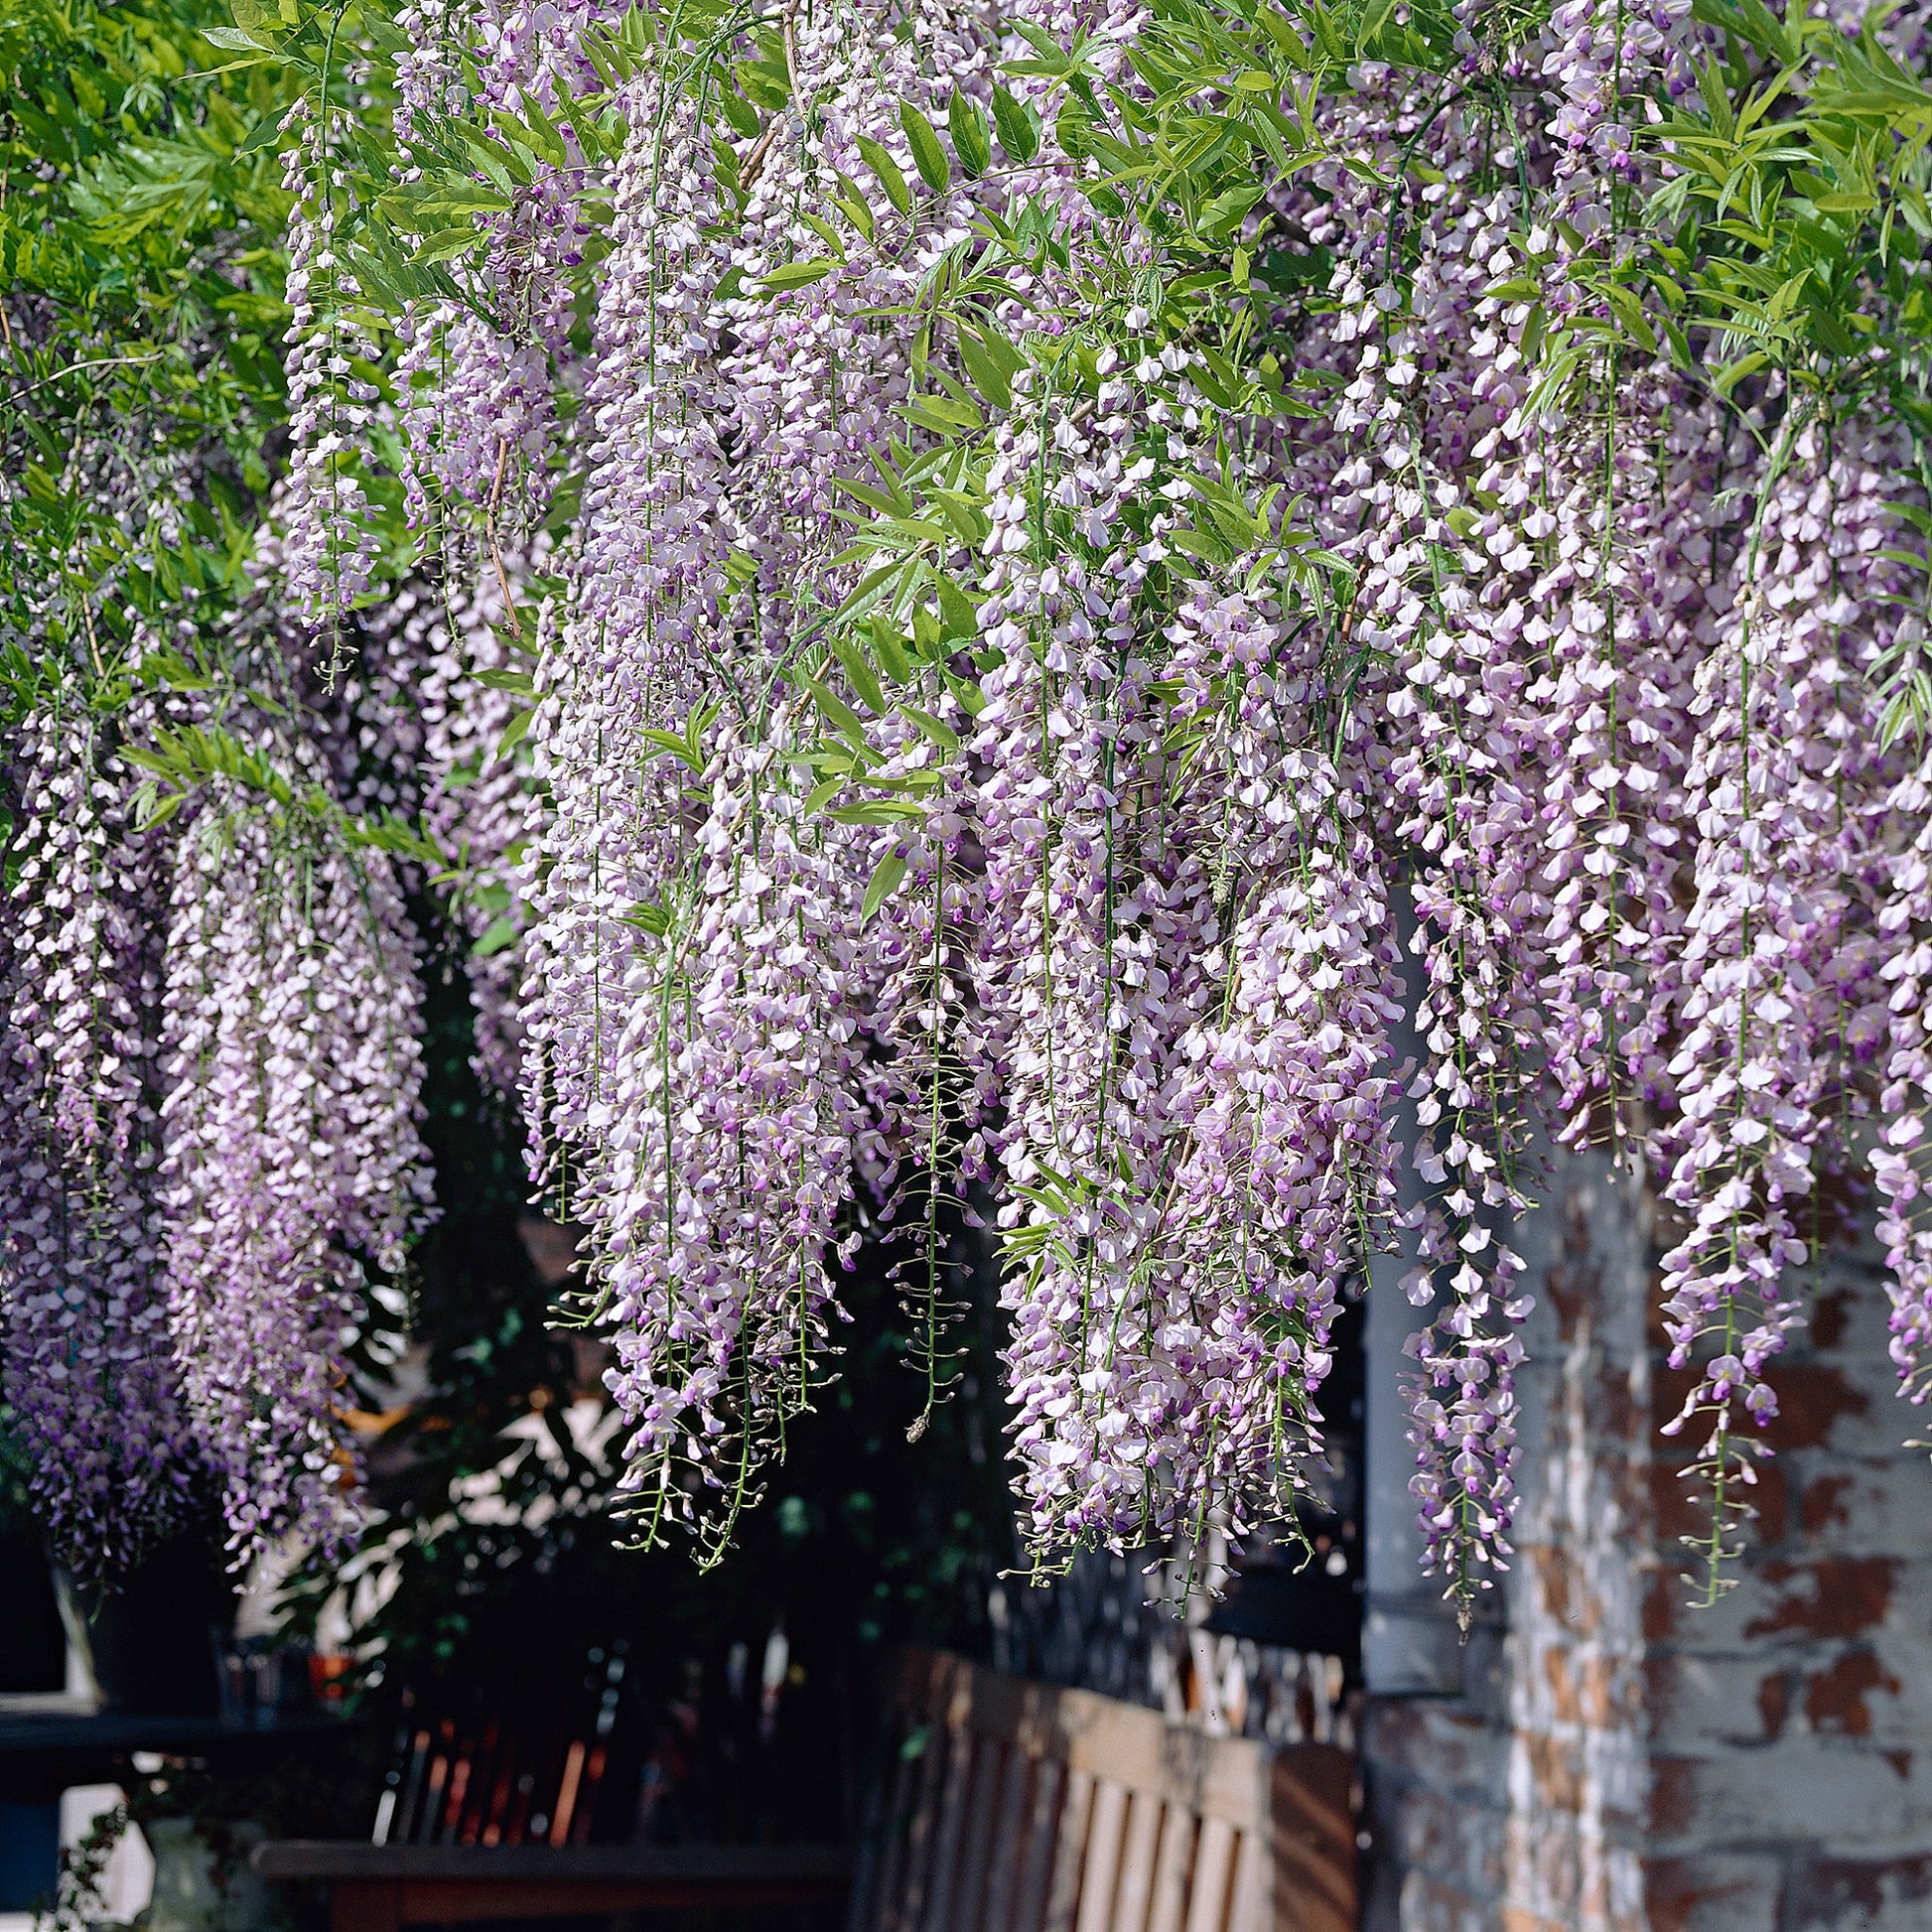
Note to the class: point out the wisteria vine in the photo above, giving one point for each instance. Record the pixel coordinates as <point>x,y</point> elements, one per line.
<point>1055,666</point>
<point>998,611</point>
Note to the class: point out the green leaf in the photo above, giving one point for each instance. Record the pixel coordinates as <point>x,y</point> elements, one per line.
<point>957,611</point>
<point>886,880</point>
<point>679,749</point>
<point>885,168</point>
<point>943,415</point>
<point>1630,311</point>
<point>875,500</point>
<point>854,207</point>
<point>649,917</point>
<point>824,232</point>
<point>1018,124</point>
<point>885,641</point>
<point>1734,374</point>
<point>942,734</point>
<point>446,244</point>
<point>797,275</point>
<point>877,811</point>
<point>837,713</point>
<point>927,155</point>
<point>498,936</point>
<point>969,137</point>
<point>852,660</point>
<point>987,376</point>
<point>972,700</point>
<point>1225,212</point>
<point>514,733</point>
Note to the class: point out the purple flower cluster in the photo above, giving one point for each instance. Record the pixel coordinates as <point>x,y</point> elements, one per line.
<point>322,537</point>
<point>291,1160</point>
<point>95,1403</point>
<point>1089,818</point>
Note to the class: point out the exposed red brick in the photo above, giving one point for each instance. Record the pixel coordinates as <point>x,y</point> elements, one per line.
<point>1599,1705</point>
<point>1827,1892</point>
<point>1812,1395</point>
<point>1830,1312</point>
<point>1558,1775</point>
<point>1553,1579</point>
<point>1572,1290</point>
<point>1681,1893</point>
<point>1835,1697</point>
<point>1673,1793</point>
<point>1558,1673</point>
<point>1822,1506</point>
<point>1660,1596</point>
<point>1748,1740</point>
<point>1833,1597</point>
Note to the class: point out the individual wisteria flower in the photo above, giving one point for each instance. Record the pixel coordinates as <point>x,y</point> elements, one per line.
<point>291,1162</point>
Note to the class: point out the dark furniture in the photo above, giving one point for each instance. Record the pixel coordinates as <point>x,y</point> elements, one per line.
<point>382,1887</point>
<point>1012,1807</point>
<point>50,1743</point>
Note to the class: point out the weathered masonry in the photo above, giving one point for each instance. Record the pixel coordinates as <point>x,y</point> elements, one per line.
<point>1601,1756</point>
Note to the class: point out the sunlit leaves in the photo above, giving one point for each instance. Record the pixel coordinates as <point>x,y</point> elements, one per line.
<point>1018,124</point>
<point>891,179</point>
<point>928,156</point>
<point>142,230</point>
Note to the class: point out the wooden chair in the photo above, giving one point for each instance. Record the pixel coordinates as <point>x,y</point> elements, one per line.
<point>1018,1807</point>
<point>490,1811</point>
<point>493,1769</point>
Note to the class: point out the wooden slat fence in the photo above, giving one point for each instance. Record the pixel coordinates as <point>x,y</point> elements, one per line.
<point>1020,1807</point>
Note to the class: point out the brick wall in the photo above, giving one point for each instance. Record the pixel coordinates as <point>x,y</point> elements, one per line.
<point>1617,1760</point>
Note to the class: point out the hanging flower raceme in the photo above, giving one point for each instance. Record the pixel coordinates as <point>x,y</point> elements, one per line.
<point>727,1149</point>
<point>1436,500</point>
<point>323,544</point>
<point>1782,996</point>
<point>703,997</point>
<point>1055,662</point>
<point>89,1384</point>
<point>292,1165</point>
<point>1285,1079</point>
